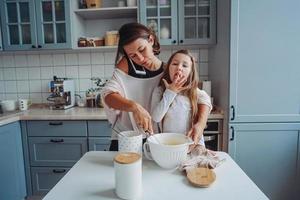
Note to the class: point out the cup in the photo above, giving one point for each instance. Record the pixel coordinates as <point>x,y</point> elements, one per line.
<point>131,3</point>
<point>24,104</point>
<point>130,141</point>
<point>121,3</point>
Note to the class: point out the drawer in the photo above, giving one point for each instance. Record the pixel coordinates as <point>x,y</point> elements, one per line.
<point>99,144</point>
<point>56,151</point>
<point>99,128</point>
<point>45,178</point>
<point>57,128</point>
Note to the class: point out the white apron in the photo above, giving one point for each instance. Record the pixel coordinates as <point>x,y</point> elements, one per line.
<point>136,89</point>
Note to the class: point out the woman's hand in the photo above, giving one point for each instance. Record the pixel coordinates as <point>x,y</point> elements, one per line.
<point>177,84</point>
<point>142,118</point>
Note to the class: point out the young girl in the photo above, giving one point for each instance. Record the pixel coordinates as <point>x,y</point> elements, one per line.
<point>175,102</point>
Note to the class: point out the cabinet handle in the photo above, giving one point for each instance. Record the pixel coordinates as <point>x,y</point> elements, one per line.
<point>58,171</point>
<point>55,123</point>
<point>181,41</point>
<point>174,41</point>
<point>57,140</point>
<point>232,133</point>
<point>233,113</point>
<point>39,46</point>
<point>33,46</point>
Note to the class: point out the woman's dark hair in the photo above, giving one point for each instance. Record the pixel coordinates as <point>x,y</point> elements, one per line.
<point>132,31</point>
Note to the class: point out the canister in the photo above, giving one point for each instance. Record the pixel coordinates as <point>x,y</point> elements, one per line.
<point>128,175</point>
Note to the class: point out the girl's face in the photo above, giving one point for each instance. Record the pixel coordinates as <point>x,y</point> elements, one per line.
<point>140,51</point>
<point>181,65</point>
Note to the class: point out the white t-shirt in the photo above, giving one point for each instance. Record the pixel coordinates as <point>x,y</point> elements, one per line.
<point>173,111</point>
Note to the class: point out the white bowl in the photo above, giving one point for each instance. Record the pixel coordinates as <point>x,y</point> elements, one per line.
<point>168,150</point>
<point>9,105</point>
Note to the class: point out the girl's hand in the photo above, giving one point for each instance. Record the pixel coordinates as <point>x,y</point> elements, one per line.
<point>177,84</point>
<point>142,118</point>
<point>195,133</point>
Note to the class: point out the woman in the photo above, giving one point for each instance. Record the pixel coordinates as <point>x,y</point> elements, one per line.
<point>127,96</point>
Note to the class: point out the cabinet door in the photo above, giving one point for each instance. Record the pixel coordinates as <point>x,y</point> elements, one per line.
<point>268,154</point>
<point>197,21</point>
<point>12,181</point>
<point>56,151</point>
<point>99,128</point>
<point>45,178</point>
<point>161,16</point>
<point>99,143</point>
<point>18,24</point>
<point>264,61</point>
<point>53,23</point>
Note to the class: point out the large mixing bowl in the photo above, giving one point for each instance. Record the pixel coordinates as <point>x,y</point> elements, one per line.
<point>168,150</point>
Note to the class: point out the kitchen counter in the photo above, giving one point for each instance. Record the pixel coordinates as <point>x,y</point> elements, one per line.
<point>92,178</point>
<point>42,112</point>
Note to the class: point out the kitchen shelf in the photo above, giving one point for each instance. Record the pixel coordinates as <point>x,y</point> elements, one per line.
<point>108,13</point>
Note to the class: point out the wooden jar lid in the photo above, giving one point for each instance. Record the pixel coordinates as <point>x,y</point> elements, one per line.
<point>127,157</point>
<point>201,177</point>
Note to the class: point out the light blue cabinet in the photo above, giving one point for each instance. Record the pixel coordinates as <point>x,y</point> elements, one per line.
<point>264,61</point>
<point>99,135</point>
<point>12,181</point>
<point>264,100</point>
<point>180,21</point>
<point>40,24</point>
<point>268,153</point>
<point>52,148</point>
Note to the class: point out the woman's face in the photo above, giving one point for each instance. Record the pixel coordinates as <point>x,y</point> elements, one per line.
<point>181,65</point>
<point>140,51</point>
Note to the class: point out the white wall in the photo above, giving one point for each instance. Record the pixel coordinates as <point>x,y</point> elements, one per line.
<point>27,74</point>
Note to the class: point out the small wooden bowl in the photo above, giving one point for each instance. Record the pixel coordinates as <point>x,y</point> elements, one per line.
<point>201,177</point>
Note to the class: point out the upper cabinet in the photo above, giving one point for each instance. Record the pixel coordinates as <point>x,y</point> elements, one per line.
<point>30,24</point>
<point>262,89</point>
<point>181,22</point>
<point>95,25</point>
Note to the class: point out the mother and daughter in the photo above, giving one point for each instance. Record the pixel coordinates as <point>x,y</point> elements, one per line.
<point>145,93</point>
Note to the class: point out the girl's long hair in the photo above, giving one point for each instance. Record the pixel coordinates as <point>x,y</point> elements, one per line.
<point>130,32</point>
<point>192,82</point>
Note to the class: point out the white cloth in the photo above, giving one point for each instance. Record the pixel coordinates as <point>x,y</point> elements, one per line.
<point>136,89</point>
<point>173,111</point>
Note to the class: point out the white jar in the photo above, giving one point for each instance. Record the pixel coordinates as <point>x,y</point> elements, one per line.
<point>131,3</point>
<point>164,33</point>
<point>128,175</point>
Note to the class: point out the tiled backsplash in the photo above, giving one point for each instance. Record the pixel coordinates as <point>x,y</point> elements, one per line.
<point>27,75</point>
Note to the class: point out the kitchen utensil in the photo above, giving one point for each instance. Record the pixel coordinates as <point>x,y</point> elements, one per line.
<point>131,3</point>
<point>9,105</point>
<point>128,175</point>
<point>94,3</point>
<point>170,151</point>
<point>201,176</point>
<point>130,141</point>
<point>24,104</point>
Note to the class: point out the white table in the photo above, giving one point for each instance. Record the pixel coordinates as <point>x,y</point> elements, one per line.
<point>92,178</point>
